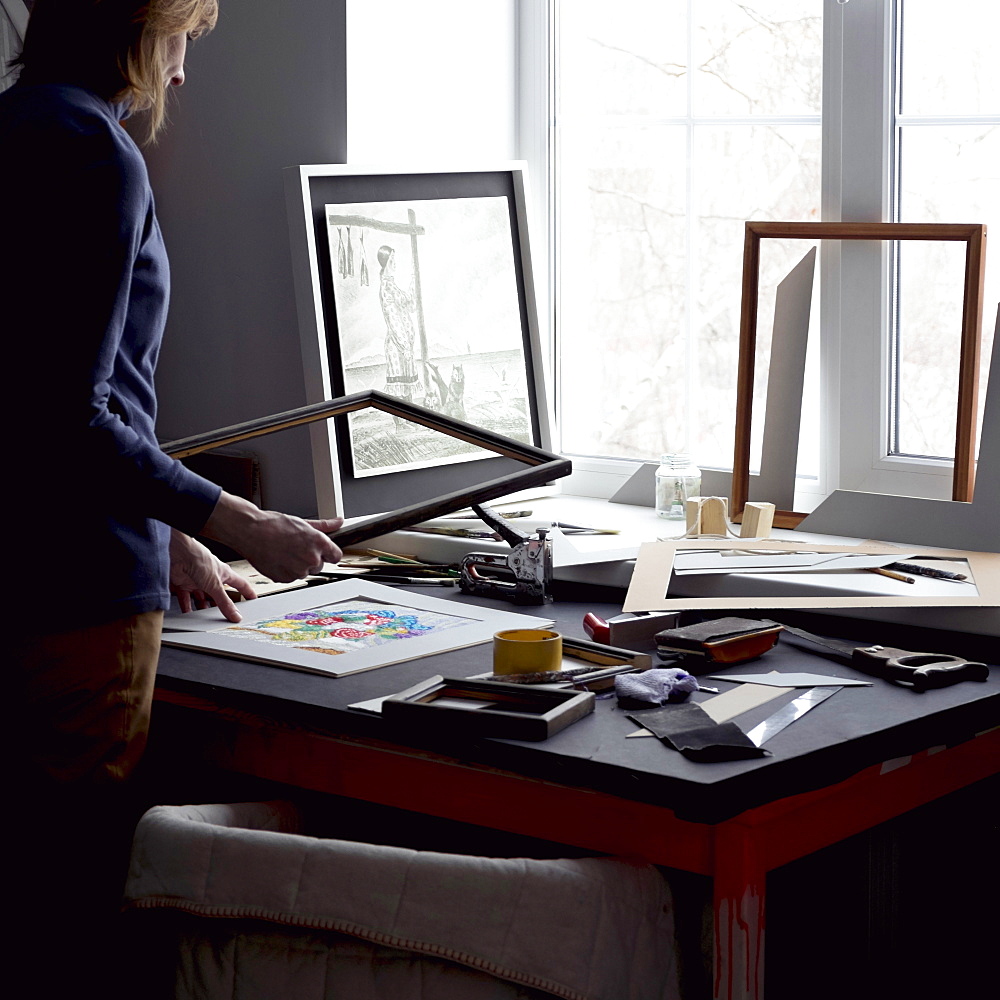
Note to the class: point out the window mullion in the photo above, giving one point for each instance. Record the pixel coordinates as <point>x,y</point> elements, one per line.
<point>859,302</point>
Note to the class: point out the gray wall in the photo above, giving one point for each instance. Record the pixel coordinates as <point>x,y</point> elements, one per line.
<point>267,89</point>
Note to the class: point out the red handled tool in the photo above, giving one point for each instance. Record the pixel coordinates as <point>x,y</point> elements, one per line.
<point>628,627</point>
<point>597,628</point>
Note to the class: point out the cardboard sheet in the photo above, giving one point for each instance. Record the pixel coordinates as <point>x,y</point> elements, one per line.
<point>790,680</point>
<point>648,590</point>
<point>729,704</point>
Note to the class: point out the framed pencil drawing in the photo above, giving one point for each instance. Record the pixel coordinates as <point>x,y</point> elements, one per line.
<point>416,284</point>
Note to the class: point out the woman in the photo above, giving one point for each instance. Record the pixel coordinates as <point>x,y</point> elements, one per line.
<point>401,377</point>
<point>100,520</point>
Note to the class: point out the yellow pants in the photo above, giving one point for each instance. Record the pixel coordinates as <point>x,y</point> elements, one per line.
<point>81,699</point>
<point>77,715</point>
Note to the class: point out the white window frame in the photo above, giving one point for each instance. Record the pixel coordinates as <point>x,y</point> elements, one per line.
<point>858,165</point>
<point>13,24</point>
<point>858,150</point>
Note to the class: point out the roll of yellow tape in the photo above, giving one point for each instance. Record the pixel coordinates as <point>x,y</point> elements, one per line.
<point>526,650</point>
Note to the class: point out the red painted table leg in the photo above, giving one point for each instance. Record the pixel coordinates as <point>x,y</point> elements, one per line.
<point>739,888</point>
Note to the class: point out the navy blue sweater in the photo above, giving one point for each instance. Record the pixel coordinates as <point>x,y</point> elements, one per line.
<point>83,297</point>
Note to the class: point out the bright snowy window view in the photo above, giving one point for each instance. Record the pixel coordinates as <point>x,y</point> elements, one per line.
<point>948,149</point>
<point>674,123</point>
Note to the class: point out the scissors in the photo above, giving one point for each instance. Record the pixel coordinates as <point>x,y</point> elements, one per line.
<point>919,671</point>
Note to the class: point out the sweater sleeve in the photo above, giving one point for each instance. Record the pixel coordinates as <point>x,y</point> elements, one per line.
<point>90,287</point>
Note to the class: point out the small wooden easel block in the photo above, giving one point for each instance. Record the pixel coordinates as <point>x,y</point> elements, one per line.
<point>706,516</point>
<point>692,514</point>
<point>758,519</point>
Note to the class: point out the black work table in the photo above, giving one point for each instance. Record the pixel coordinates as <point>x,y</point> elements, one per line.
<point>864,756</point>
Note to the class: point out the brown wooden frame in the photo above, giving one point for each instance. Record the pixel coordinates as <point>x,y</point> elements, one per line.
<point>543,465</point>
<point>974,236</point>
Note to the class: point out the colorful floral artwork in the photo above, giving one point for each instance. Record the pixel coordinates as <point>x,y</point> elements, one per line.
<point>344,627</point>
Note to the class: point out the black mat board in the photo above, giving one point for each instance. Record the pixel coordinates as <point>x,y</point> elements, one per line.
<point>856,728</point>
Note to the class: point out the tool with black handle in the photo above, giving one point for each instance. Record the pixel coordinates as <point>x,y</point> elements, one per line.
<point>918,671</point>
<point>524,575</point>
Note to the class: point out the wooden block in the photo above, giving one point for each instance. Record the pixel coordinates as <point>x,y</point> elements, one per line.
<point>706,515</point>
<point>758,518</point>
<point>692,513</point>
<point>713,516</point>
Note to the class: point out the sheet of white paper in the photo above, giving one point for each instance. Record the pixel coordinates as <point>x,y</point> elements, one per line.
<point>373,706</point>
<point>791,680</point>
<point>729,704</point>
<point>599,549</point>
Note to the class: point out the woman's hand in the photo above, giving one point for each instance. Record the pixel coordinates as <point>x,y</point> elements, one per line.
<point>282,547</point>
<point>199,579</point>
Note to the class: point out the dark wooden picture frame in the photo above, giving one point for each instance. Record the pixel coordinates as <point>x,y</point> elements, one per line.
<point>543,466</point>
<point>974,236</point>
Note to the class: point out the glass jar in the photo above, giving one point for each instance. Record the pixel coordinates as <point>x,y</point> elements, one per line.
<point>676,480</point>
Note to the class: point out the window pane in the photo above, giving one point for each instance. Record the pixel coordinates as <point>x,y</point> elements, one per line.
<point>651,203</point>
<point>949,60</point>
<point>622,240</point>
<point>929,339</point>
<point>758,58</point>
<point>948,173</point>
<point>758,173</point>
<point>629,62</point>
<point>10,45</point>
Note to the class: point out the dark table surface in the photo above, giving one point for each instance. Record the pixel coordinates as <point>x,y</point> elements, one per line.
<point>856,728</point>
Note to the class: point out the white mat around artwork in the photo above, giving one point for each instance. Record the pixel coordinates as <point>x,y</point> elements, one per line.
<point>343,628</point>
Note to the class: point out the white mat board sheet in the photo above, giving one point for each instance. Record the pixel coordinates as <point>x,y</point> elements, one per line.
<point>346,627</point>
<point>651,579</point>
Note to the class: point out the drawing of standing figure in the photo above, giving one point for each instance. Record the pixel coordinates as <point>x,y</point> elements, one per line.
<point>401,379</point>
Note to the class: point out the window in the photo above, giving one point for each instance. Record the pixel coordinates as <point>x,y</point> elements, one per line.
<point>670,130</point>
<point>13,22</point>
<point>673,123</point>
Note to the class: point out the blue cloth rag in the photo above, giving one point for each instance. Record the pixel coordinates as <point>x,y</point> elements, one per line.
<point>656,686</point>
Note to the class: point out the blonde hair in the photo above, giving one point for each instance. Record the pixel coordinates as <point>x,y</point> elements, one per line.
<point>146,61</point>
<point>117,48</point>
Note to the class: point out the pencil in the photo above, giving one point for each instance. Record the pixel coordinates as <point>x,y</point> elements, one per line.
<point>891,574</point>
<point>393,557</point>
